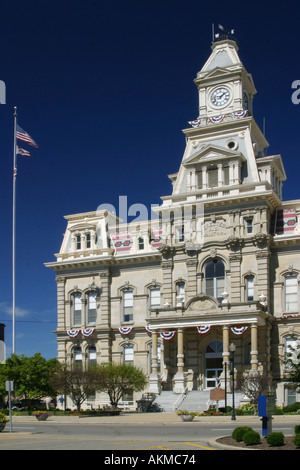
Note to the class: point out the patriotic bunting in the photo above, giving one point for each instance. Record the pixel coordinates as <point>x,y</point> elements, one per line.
<point>217,119</point>
<point>239,330</point>
<point>148,329</point>
<point>203,329</point>
<point>125,330</point>
<point>73,333</point>
<point>167,335</point>
<point>240,114</point>
<point>195,123</point>
<point>122,241</point>
<point>88,331</point>
<point>84,332</point>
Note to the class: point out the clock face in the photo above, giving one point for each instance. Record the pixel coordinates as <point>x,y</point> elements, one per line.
<point>220,96</point>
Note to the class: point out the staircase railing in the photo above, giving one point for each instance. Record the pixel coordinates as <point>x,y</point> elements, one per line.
<point>180,399</point>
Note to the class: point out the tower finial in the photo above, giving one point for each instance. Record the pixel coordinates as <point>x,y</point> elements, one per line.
<point>226,34</point>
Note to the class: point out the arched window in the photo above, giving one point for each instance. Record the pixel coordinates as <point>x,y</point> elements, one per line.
<point>215,278</point>
<point>127,305</point>
<point>249,286</point>
<point>154,297</point>
<point>92,355</point>
<point>291,293</point>
<point>180,293</point>
<point>77,357</point>
<point>128,354</point>
<point>91,308</point>
<point>76,308</point>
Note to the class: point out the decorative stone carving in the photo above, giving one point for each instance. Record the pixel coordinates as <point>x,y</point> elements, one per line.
<point>217,229</point>
<point>201,304</point>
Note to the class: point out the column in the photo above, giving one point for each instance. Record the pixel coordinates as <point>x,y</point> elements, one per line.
<point>179,376</point>
<point>254,349</point>
<point>220,174</point>
<point>154,381</point>
<point>226,357</point>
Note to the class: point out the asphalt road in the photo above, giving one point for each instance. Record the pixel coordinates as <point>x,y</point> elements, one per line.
<point>109,438</point>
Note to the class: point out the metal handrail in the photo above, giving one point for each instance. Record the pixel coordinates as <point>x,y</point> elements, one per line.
<point>178,401</point>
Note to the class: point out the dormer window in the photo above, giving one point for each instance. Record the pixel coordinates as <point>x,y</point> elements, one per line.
<point>88,240</point>
<point>212,173</point>
<point>78,242</point>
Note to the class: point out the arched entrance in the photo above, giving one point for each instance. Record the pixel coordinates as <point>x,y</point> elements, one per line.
<point>213,363</point>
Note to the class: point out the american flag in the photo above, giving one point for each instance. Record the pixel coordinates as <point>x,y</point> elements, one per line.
<point>22,135</point>
<point>23,152</point>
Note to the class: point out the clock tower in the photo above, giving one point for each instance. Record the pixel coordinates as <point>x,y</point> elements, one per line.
<point>223,83</point>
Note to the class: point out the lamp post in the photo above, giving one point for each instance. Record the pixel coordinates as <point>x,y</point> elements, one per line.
<point>232,351</point>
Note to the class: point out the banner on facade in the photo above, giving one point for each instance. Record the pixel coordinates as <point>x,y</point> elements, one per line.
<point>203,329</point>
<point>125,330</point>
<point>239,330</point>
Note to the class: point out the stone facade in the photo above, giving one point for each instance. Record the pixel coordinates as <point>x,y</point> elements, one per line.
<point>219,265</point>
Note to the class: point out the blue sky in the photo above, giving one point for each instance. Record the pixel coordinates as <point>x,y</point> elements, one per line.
<point>106,88</point>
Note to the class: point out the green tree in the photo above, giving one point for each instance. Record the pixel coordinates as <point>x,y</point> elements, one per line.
<point>291,363</point>
<point>118,379</point>
<point>78,384</point>
<point>31,375</point>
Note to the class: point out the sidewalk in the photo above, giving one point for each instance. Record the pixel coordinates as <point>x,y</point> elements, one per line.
<point>162,418</point>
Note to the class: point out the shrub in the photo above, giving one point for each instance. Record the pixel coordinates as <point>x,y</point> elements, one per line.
<point>297,429</point>
<point>238,433</point>
<point>292,408</point>
<point>251,438</point>
<point>275,439</point>
<point>297,440</point>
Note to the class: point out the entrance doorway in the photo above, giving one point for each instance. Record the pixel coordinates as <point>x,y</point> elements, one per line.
<point>213,363</point>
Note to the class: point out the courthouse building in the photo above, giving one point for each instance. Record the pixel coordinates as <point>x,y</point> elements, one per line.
<point>219,265</point>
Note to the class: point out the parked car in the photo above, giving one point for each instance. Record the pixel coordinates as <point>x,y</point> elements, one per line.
<point>28,404</point>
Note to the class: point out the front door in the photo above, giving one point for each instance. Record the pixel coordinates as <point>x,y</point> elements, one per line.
<point>213,363</point>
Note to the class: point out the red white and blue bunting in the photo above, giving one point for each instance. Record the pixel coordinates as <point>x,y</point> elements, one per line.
<point>88,331</point>
<point>239,330</point>
<point>85,332</point>
<point>240,114</point>
<point>125,330</point>
<point>148,329</point>
<point>195,123</point>
<point>167,335</point>
<point>203,329</point>
<point>217,119</point>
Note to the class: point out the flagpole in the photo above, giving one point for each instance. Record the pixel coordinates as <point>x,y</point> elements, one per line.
<point>14,236</point>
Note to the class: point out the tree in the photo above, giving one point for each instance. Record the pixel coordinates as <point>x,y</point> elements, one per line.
<point>118,379</point>
<point>78,384</point>
<point>254,383</point>
<point>291,363</point>
<point>31,375</point>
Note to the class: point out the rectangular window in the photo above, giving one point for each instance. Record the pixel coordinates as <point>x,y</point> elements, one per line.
<point>212,177</point>
<point>226,175</point>
<point>128,305</point>
<point>77,307</point>
<point>78,242</point>
<point>180,234</point>
<point>88,240</point>
<point>92,308</point>
<point>291,293</point>
<point>249,225</point>
<point>250,288</point>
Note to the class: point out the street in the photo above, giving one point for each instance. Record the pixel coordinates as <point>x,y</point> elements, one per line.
<point>87,434</point>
